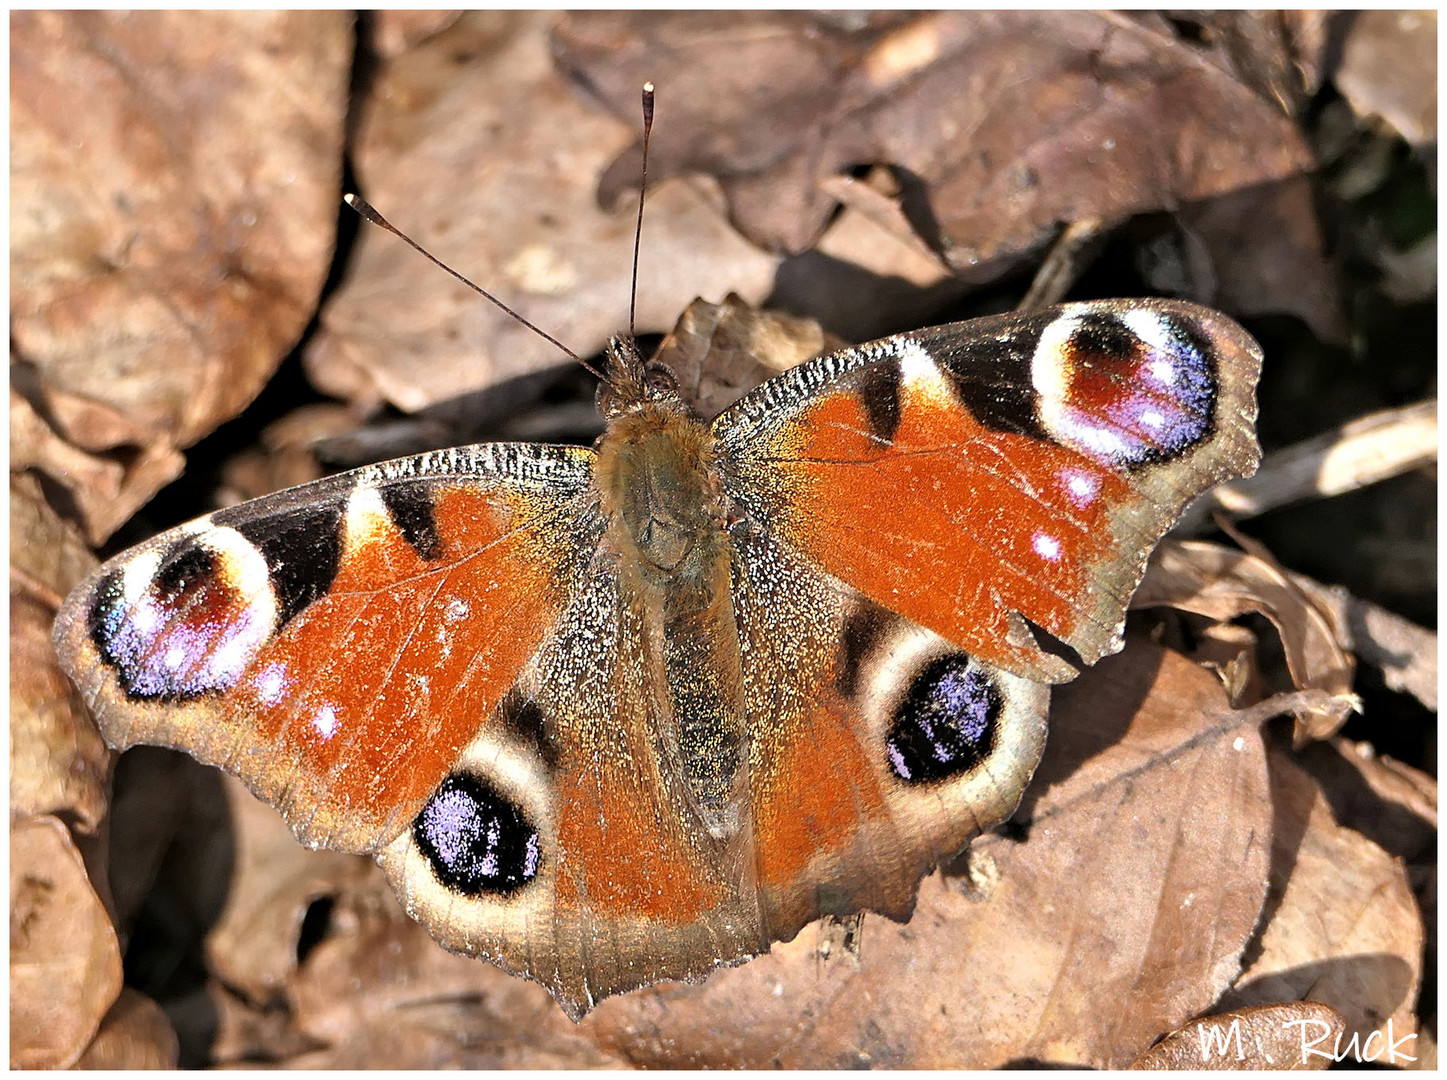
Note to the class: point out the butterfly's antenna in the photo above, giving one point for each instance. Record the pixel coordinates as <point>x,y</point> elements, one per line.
<point>365,209</point>
<point>642,189</point>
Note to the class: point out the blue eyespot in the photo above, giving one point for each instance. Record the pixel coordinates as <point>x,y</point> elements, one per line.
<point>947,722</point>
<point>476,841</point>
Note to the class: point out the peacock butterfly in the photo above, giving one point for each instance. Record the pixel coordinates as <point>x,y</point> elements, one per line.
<point>613,715</point>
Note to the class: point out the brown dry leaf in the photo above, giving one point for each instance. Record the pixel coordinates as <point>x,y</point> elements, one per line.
<point>65,963</point>
<point>1222,583</point>
<point>46,550</point>
<point>135,1034</point>
<point>1341,925</point>
<point>1389,69</point>
<point>164,258</point>
<point>1267,255</point>
<point>58,763</point>
<point>254,943</point>
<point>394,32</point>
<point>105,489</point>
<point>1405,652</point>
<point>719,351</point>
<point>1279,54</point>
<point>873,231</point>
<point>474,145</point>
<point>870,272</point>
<point>1016,121</point>
<point>379,993</point>
<point>1123,913</point>
<point>1279,1037</point>
<point>244,1032</point>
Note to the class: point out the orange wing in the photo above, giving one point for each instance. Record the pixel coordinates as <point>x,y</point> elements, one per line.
<point>982,477</point>
<point>337,645</point>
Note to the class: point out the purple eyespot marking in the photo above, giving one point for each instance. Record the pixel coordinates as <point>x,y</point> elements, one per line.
<point>271,684</point>
<point>1126,389</point>
<point>325,721</point>
<point>476,841</point>
<point>173,627</point>
<point>947,723</point>
<point>1046,546</point>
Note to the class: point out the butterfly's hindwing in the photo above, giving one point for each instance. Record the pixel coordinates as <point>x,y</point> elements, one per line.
<point>905,745</point>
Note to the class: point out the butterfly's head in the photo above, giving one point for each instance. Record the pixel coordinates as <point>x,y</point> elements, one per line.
<point>631,381</point>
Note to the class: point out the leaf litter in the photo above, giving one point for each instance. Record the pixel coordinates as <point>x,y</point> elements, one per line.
<point>1175,858</point>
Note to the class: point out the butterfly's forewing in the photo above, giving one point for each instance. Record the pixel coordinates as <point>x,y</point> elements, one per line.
<point>1015,470</point>
<point>337,645</point>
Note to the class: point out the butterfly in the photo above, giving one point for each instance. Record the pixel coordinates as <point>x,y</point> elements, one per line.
<point>618,714</point>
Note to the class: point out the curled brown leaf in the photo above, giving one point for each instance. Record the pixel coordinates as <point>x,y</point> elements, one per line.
<point>1222,584</point>
<point>163,258</point>
<point>65,962</point>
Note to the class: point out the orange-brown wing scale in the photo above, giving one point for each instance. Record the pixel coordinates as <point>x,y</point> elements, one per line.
<point>1012,469</point>
<point>337,645</point>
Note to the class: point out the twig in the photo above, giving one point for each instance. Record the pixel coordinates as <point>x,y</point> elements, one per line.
<point>1373,448</point>
<point>1074,250</point>
<point>1405,653</point>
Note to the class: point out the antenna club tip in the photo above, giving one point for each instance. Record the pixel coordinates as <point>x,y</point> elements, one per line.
<point>648,88</point>
<point>350,199</point>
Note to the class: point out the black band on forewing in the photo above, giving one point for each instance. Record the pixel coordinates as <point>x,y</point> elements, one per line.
<point>302,548</point>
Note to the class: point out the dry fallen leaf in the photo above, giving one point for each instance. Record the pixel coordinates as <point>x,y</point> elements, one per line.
<point>135,1034</point>
<point>171,849</point>
<point>1221,583</point>
<point>1015,121</point>
<point>377,992</point>
<point>1341,925</point>
<point>1281,1036</point>
<point>474,145</point>
<point>58,763</point>
<point>1279,54</point>
<point>1267,255</point>
<point>1389,69</point>
<point>720,351</point>
<point>394,32</point>
<point>104,488</point>
<point>163,258</point>
<point>65,962</point>
<point>1391,802</point>
<point>287,454</point>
